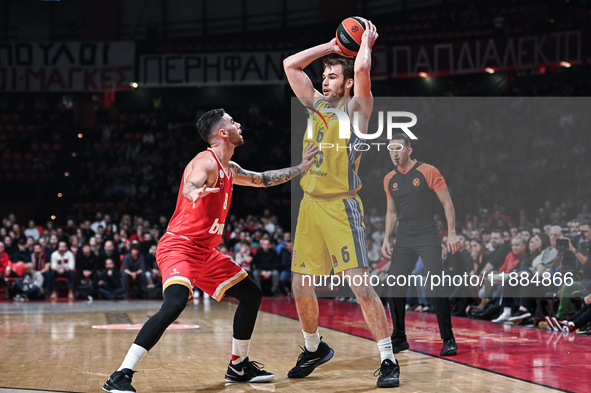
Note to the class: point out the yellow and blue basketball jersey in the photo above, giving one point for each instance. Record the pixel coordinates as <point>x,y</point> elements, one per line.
<point>335,170</point>
<point>330,234</point>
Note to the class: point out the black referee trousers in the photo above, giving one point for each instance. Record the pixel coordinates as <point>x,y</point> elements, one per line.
<point>412,242</point>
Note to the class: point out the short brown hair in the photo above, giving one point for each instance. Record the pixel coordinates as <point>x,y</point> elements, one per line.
<point>345,63</point>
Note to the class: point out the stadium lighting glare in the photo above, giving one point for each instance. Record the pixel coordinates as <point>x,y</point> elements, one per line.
<point>423,75</point>
<point>135,85</point>
<point>489,70</point>
<point>565,64</point>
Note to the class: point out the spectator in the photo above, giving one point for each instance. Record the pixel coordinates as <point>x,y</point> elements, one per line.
<point>525,294</point>
<point>525,234</point>
<point>51,247</point>
<point>74,245</point>
<point>22,254</point>
<point>94,246</point>
<point>286,238</point>
<point>577,321</point>
<point>285,267</point>
<point>271,226</point>
<point>30,286</point>
<point>138,235</point>
<point>479,255</point>
<point>124,242</point>
<point>134,268</point>
<point>4,262</point>
<point>108,221</point>
<point>153,274</point>
<point>10,245</point>
<point>581,253</point>
<point>17,234</point>
<point>87,232</point>
<point>109,251</point>
<point>86,272</point>
<point>512,259</point>
<point>485,236</point>
<point>243,257</point>
<point>585,242</point>
<point>549,258</point>
<point>156,233</point>
<point>109,233</point>
<point>147,243</point>
<point>265,266</point>
<point>109,281</point>
<point>32,231</point>
<point>71,228</point>
<point>41,263</point>
<point>499,253</point>
<point>63,264</point>
<point>99,221</point>
<point>511,262</point>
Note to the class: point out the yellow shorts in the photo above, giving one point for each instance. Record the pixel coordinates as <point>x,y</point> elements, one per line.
<point>330,235</point>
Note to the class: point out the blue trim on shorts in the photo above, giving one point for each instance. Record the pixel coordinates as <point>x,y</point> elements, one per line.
<point>355,217</point>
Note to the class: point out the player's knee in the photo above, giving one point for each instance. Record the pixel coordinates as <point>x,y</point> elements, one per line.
<point>363,291</point>
<point>247,292</point>
<point>175,301</point>
<point>250,293</point>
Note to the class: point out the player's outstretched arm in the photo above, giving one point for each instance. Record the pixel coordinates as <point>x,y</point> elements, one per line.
<point>245,177</point>
<point>362,97</point>
<point>362,65</point>
<point>294,70</point>
<point>200,175</point>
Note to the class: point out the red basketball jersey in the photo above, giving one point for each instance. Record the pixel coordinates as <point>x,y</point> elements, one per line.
<point>204,225</point>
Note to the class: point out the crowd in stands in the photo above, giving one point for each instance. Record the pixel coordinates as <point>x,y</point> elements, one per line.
<point>110,260</point>
<point>548,263</point>
<point>115,259</point>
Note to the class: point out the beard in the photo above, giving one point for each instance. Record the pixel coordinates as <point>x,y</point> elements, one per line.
<point>337,93</point>
<point>237,140</point>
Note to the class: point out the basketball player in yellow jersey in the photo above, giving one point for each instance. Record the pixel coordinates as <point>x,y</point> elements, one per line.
<point>330,233</point>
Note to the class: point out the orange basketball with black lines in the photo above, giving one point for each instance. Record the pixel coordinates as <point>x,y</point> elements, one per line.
<point>349,34</point>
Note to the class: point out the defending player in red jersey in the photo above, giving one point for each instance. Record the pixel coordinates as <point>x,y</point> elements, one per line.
<point>186,254</point>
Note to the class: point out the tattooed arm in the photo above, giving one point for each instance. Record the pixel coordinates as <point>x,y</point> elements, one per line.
<point>244,177</point>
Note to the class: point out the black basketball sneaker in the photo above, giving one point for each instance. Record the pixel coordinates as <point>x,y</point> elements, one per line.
<point>388,374</point>
<point>120,382</point>
<point>308,361</point>
<point>247,371</point>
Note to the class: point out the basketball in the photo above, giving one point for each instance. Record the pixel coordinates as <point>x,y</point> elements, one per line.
<point>349,34</point>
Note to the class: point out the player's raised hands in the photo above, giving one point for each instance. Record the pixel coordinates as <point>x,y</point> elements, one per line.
<point>370,34</point>
<point>201,192</point>
<point>336,49</point>
<point>308,159</point>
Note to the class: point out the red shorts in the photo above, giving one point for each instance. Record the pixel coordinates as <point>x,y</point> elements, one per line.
<point>183,262</point>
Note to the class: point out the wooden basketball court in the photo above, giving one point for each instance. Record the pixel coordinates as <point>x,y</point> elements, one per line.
<point>54,347</point>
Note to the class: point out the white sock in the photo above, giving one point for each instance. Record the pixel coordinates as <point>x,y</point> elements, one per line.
<point>312,340</point>
<point>385,347</point>
<point>133,357</point>
<point>239,350</point>
<point>506,310</point>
